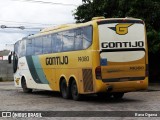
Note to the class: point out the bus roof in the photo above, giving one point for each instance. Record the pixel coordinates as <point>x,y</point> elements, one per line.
<point>57,27</point>
<point>94,19</point>
<point>76,25</point>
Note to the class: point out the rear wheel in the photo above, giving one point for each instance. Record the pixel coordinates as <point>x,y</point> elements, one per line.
<point>74,90</point>
<point>64,89</point>
<point>24,86</point>
<point>118,95</point>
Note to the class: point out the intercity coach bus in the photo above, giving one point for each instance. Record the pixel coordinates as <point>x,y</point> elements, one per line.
<point>107,57</point>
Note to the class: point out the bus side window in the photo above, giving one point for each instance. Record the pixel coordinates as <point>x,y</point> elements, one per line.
<point>22,48</point>
<point>30,47</point>
<point>38,45</point>
<point>68,40</point>
<point>16,48</point>
<point>53,41</point>
<point>78,39</point>
<point>57,42</point>
<point>47,44</point>
<point>87,36</point>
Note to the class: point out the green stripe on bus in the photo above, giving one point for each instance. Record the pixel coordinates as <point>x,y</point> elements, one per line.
<point>39,70</point>
<point>32,69</point>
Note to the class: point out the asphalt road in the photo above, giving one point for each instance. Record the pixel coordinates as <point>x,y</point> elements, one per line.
<point>13,99</point>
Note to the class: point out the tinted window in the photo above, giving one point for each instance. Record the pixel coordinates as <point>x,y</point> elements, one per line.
<point>16,47</point>
<point>47,44</point>
<point>57,42</point>
<point>78,39</point>
<point>68,40</point>
<point>38,45</point>
<point>30,47</point>
<point>53,41</point>
<point>87,36</point>
<point>22,48</point>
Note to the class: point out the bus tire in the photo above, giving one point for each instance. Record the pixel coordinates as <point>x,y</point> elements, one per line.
<point>118,96</point>
<point>64,89</point>
<point>74,91</point>
<point>24,86</point>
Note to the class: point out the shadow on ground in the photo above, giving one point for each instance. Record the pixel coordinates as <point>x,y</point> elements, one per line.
<point>93,98</point>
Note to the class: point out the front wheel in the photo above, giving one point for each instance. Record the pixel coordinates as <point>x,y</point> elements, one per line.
<point>74,90</point>
<point>24,86</point>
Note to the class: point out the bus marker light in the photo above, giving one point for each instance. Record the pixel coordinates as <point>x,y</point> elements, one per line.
<point>98,72</point>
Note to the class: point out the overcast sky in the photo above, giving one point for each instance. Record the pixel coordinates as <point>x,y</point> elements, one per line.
<point>14,13</point>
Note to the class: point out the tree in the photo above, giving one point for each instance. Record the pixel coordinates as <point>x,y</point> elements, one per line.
<point>147,10</point>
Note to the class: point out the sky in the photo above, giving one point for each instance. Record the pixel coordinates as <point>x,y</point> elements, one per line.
<point>33,16</point>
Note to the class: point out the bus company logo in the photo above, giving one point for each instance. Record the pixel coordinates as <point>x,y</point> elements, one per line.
<point>121,28</point>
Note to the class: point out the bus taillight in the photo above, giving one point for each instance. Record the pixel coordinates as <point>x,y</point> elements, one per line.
<point>98,72</point>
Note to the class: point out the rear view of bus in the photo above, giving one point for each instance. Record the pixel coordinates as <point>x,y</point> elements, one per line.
<point>123,55</point>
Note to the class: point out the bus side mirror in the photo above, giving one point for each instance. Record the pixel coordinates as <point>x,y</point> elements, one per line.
<point>10,58</point>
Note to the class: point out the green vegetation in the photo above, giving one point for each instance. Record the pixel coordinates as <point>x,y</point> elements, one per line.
<point>147,10</point>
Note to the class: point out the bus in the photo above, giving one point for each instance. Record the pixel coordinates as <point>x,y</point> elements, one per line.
<point>105,56</point>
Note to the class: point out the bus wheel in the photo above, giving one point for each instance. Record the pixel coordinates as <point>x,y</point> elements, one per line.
<point>24,86</point>
<point>64,89</point>
<point>118,95</point>
<point>74,91</point>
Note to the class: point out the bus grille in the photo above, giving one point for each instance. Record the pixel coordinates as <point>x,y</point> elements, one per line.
<point>87,80</point>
